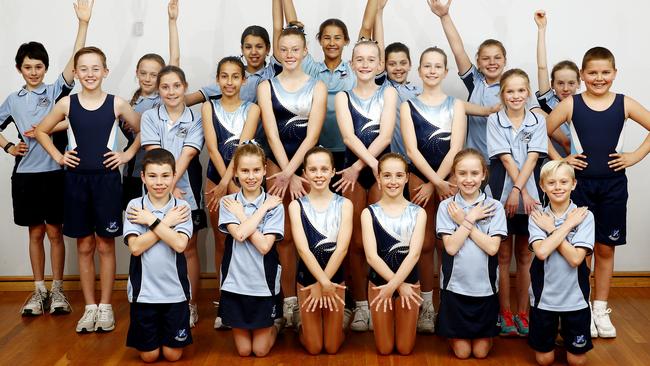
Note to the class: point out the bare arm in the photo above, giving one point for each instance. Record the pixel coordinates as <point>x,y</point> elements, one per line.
<point>125,112</point>
<point>210,137</point>
<point>187,154</point>
<point>378,31</point>
<point>174,44</point>
<point>368,20</point>
<point>44,128</point>
<point>458,132</point>
<point>194,98</point>
<point>479,110</point>
<point>411,145</point>
<point>83,9</point>
<point>277,9</point>
<point>453,37</point>
<point>415,248</point>
<point>542,65</point>
<point>370,247</point>
<point>270,124</point>
<point>342,240</point>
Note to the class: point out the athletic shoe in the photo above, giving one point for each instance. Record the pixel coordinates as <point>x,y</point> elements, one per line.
<point>289,309</point>
<point>603,324</point>
<point>87,322</point>
<point>347,317</point>
<point>508,327</point>
<point>194,315</point>
<point>592,326</point>
<point>521,321</point>
<point>362,320</point>
<point>105,321</point>
<point>35,304</point>
<point>59,303</point>
<point>426,317</point>
<point>218,323</point>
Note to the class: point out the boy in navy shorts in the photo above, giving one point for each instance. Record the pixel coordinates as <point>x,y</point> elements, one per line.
<point>597,117</point>
<point>561,235</point>
<point>37,180</point>
<point>157,229</point>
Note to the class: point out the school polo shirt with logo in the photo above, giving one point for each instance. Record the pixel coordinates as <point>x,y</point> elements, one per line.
<point>471,272</point>
<point>159,274</point>
<point>26,108</point>
<point>187,131</point>
<point>554,284</point>
<point>244,270</point>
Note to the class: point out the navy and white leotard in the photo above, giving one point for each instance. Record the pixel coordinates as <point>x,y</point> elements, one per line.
<point>228,127</point>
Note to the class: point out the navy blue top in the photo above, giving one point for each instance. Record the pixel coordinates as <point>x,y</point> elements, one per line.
<point>92,133</point>
<point>598,134</point>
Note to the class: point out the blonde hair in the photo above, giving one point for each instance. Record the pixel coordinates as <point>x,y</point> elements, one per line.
<point>507,76</point>
<point>553,166</point>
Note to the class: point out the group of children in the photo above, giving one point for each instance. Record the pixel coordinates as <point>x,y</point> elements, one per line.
<point>372,172</point>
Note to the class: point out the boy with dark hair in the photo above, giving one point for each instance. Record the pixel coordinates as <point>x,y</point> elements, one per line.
<point>157,229</point>
<point>37,180</point>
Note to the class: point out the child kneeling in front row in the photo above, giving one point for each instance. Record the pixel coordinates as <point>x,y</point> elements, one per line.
<point>561,235</point>
<point>157,229</point>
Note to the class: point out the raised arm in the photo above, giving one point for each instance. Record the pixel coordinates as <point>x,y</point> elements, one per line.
<point>368,20</point>
<point>174,45</point>
<point>453,37</point>
<point>542,66</point>
<point>83,9</point>
<point>280,10</point>
<point>378,31</point>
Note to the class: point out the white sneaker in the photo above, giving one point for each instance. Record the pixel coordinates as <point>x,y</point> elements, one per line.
<point>59,303</point>
<point>218,322</point>
<point>289,309</point>
<point>362,321</point>
<point>87,322</point>
<point>603,324</point>
<point>194,315</point>
<point>592,326</point>
<point>105,321</point>
<point>35,304</point>
<point>426,317</point>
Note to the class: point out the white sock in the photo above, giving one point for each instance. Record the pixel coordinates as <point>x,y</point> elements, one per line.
<point>105,306</point>
<point>600,305</point>
<point>427,296</point>
<point>57,284</point>
<point>91,307</point>
<point>291,300</point>
<point>40,286</point>
<point>361,304</point>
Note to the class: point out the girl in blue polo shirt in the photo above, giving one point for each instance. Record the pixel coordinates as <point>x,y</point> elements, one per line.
<point>174,127</point>
<point>226,121</point>
<point>253,222</point>
<point>517,143</point>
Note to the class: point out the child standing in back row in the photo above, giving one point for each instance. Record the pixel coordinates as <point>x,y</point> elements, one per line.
<point>597,117</point>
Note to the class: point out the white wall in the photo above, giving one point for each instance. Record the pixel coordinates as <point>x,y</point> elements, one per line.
<point>210,30</point>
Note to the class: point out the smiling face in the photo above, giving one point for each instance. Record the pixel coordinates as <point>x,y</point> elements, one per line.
<point>230,79</point>
<point>598,75</point>
<point>558,185</point>
<point>147,73</point>
<point>565,83</point>
<point>158,179</point>
<point>392,177</point>
<point>255,51</point>
<point>432,69</point>
<point>319,170</point>
<point>398,66</point>
<point>515,92</point>
<point>491,61</point>
<point>470,174</point>
<point>250,172</point>
<point>366,61</point>
<point>332,40</point>
<point>90,71</point>
<point>172,90</point>
<point>291,51</point>
<point>33,71</point>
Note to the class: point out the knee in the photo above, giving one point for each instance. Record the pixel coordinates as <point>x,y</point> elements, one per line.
<point>384,349</point>
<point>404,349</point>
<point>105,248</point>
<point>261,350</point>
<point>151,356</point>
<point>576,360</point>
<point>480,352</point>
<point>244,350</point>
<point>545,359</point>
<point>172,354</point>
<point>331,348</point>
<point>85,248</point>
<point>314,348</point>
<point>604,251</point>
<point>462,353</point>
<point>505,257</point>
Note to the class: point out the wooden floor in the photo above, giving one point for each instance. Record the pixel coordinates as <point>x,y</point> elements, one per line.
<point>51,340</point>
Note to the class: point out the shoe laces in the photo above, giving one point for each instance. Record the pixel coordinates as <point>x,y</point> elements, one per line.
<point>427,311</point>
<point>58,296</point>
<point>603,315</point>
<point>361,315</point>
<point>507,319</point>
<point>103,314</point>
<point>523,318</point>
<point>89,315</point>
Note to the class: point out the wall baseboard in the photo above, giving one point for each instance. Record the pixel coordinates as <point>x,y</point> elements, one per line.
<point>209,281</point>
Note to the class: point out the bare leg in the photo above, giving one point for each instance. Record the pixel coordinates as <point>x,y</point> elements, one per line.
<point>311,333</point>
<point>405,326</point>
<point>333,326</point>
<point>85,255</point>
<point>150,356</point>
<point>481,347</point>
<point>106,249</point>
<point>36,251</point>
<point>384,323</point>
<point>505,257</point>
<point>462,347</point>
<point>604,267</point>
<point>426,267</point>
<point>357,257</point>
<point>524,258</point>
<point>263,340</point>
<point>172,354</point>
<point>57,250</point>
<point>193,267</point>
<point>545,358</point>
<point>243,341</point>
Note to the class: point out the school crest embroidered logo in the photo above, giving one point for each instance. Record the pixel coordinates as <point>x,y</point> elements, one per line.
<point>182,132</point>
<point>526,136</point>
<point>580,341</point>
<point>273,312</point>
<point>615,235</point>
<point>44,102</point>
<point>181,335</point>
<point>112,227</point>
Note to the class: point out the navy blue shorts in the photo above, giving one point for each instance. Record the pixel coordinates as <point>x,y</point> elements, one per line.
<point>37,198</point>
<point>155,325</point>
<point>575,330</point>
<point>249,312</point>
<point>131,189</point>
<point>518,225</point>
<point>93,204</point>
<point>467,317</point>
<point>606,198</point>
<point>195,174</point>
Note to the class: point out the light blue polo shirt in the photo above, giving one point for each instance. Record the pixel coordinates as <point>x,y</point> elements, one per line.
<point>548,101</point>
<point>341,79</point>
<point>187,131</point>
<point>159,274</point>
<point>244,269</point>
<point>26,108</point>
<point>554,284</point>
<point>248,91</point>
<point>405,91</point>
<point>487,95</point>
<point>503,138</point>
<point>141,105</point>
<point>471,272</point>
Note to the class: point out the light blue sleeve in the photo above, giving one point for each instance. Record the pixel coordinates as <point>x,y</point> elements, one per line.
<point>497,143</point>
<point>210,91</point>
<point>498,224</point>
<point>149,128</point>
<point>585,234</point>
<point>445,225</point>
<point>186,227</point>
<point>274,222</point>
<point>310,66</point>
<point>130,228</point>
<point>194,137</point>
<point>532,103</point>
<point>539,139</point>
<point>5,113</point>
<point>226,217</point>
<point>61,86</point>
<point>535,233</point>
<point>471,78</point>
